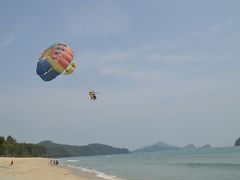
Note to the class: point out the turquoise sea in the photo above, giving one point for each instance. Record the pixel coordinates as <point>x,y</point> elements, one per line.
<point>196,164</point>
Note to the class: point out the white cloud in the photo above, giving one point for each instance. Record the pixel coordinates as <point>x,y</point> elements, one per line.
<point>230,21</point>
<point>10,37</point>
<point>152,59</point>
<point>7,40</point>
<point>214,29</point>
<point>219,30</point>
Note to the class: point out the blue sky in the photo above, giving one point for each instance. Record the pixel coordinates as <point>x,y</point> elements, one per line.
<point>165,70</point>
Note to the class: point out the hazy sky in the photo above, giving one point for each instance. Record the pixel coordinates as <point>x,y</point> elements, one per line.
<point>166,70</point>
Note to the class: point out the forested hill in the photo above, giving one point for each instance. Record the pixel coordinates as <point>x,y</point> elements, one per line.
<point>60,150</point>
<point>10,147</point>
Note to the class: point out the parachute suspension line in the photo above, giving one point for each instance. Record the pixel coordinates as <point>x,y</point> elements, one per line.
<point>82,83</point>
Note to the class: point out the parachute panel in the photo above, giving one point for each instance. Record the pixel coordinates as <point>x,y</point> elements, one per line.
<point>56,65</point>
<point>46,71</point>
<point>71,68</point>
<point>55,60</point>
<point>61,61</point>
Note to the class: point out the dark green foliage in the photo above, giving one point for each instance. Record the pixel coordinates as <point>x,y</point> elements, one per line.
<point>10,147</point>
<point>237,142</point>
<point>2,145</point>
<point>59,150</point>
<point>2,140</point>
<point>11,140</point>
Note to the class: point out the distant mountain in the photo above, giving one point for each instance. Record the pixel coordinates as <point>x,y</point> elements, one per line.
<point>60,150</point>
<point>237,142</point>
<point>189,146</point>
<point>160,146</point>
<point>206,146</point>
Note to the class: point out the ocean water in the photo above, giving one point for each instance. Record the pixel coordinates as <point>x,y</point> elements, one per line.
<point>197,164</point>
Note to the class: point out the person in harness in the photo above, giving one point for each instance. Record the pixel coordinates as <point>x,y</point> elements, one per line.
<point>92,95</point>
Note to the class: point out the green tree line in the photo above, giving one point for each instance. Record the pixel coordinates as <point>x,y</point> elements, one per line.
<point>10,148</point>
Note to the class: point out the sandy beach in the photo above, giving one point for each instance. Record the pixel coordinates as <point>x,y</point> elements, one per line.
<point>38,169</point>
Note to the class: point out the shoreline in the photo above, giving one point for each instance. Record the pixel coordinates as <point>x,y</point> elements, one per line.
<point>90,173</point>
<point>40,168</point>
<point>79,172</point>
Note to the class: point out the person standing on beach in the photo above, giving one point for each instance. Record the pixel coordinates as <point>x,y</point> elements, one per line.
<point>11,163</point>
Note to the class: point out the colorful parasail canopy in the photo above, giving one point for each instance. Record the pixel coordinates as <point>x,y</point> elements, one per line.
<point>57,59</point>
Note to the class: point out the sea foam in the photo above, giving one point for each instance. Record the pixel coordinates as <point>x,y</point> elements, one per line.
<point>97,173</point>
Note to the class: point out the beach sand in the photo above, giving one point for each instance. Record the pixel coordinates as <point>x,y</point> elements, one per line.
<point>38,169</point>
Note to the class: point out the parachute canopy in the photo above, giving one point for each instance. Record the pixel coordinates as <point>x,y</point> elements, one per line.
<point>57,59</point>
